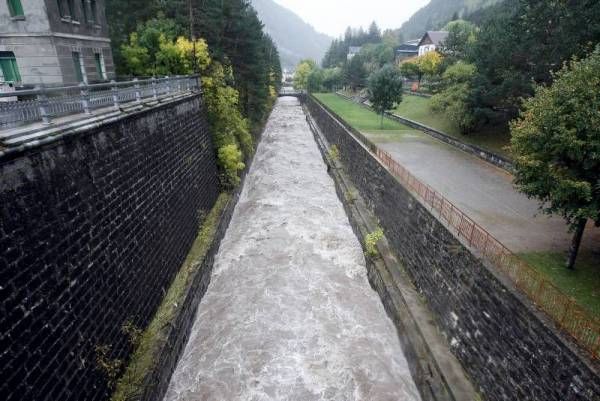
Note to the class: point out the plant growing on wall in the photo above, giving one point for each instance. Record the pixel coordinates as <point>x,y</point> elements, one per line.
<point>110,367</point>
<point>556,143</point>
<point>230,157</point>
<point>371,241</point>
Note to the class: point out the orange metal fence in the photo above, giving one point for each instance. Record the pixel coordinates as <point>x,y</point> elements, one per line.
<point>569,316</point>
<point>572,318</point>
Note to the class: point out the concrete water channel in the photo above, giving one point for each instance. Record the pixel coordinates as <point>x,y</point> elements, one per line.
<point>289,313</point>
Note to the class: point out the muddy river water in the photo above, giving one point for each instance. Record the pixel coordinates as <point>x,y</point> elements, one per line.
<point>289,313</point>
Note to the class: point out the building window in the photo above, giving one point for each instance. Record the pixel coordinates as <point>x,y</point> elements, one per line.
<point>63,9</point>
<point>66,8</point>
<point>84,10</point>
<point>94,11</point>
<point>15,8</point>
<point>100,67</point>
<point>9,68</point>
<point>71,4</point>
<point>79,67</point>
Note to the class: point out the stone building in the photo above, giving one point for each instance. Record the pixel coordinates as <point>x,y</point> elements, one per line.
<point>54,42</point>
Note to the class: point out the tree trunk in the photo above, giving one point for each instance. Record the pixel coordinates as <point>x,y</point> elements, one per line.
<point>574,249</point>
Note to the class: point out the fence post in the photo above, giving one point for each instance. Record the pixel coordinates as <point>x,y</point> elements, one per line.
<point>138,95</point>
<point>85,98</point>
<point>168,84</point>
<point>471,235</point>
<point>43,104</point>
<point>115,93</point>
<point>154,92</point>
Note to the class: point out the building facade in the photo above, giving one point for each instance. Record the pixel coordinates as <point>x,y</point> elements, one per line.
<point>431,41</point>
<point>353,51</point>
<point>54,42</point>
<point>407,50</point>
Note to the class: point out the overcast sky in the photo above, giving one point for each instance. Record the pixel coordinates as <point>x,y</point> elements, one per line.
<point>333,16</point>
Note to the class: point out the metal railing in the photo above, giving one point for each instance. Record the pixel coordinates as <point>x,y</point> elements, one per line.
<point>563,309</point>
<point>46,103</point>
<point>286,90</point>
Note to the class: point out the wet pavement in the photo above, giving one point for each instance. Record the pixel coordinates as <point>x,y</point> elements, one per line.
<point>484,192</point>
<point>289,313</point>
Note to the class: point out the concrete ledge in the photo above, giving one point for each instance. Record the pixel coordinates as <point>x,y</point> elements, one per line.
<point>490,157</point>
<point>437,373</point>
<point>15,141</point>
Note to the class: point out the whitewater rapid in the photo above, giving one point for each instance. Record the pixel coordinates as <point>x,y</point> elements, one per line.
<point>289,313</point>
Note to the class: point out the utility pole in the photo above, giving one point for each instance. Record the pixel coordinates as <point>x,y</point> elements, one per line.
<point>192,37</point>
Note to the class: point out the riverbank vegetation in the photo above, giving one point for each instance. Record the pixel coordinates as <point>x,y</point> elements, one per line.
<point>224,42</point>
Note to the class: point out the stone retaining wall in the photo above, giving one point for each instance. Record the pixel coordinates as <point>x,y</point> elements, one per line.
<point>93,228</point>
<point>510,351</point>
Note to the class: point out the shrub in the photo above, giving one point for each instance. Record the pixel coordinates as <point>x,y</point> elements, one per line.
<point>334,152</point>
<point>230,159</point>
<point>371,242</point>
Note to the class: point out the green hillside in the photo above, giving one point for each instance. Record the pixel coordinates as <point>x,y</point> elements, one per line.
<point>438,13</point>
<point>295,39</point>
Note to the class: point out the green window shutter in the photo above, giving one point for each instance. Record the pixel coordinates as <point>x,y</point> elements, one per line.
<point>77,65</point>
<point>8,65</point>
<point>98,59</point>
<point>15,8</point>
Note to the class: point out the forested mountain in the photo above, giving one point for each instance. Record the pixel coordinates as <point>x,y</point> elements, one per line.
<point>231,28</point>
<point>295,39</point>
<point>438,13</point>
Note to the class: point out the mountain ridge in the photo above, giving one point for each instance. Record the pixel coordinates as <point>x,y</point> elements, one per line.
<point>304,42</point>
<point>438,13</point>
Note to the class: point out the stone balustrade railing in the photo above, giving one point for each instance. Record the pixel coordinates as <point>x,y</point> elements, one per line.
<point>43,104</point>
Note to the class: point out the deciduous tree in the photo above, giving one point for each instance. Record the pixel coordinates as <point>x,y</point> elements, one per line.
<point>453,99</point>
<point>303,70</point>
<point>385,89</point>
<point>556,143</point>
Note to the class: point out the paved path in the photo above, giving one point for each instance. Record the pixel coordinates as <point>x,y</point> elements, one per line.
<point>483,192</point>
<point>289,314</point>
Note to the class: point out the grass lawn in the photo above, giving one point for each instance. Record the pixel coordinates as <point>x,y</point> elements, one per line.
<point>362,119</point>
<point>583,283</point>
<point>417,108</point>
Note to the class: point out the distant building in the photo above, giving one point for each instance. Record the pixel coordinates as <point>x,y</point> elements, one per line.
<point>287,76</point>
<point>54,42</point>
<point>407,50</point>
<point>353,51</point>
<point>431,41</point>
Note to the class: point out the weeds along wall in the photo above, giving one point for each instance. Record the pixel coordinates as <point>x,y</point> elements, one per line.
<point>93,228</point>
<point>508,349</point>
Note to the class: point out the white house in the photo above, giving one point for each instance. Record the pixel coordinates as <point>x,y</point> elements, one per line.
<point>431,41</point>
<point>353,51</point>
